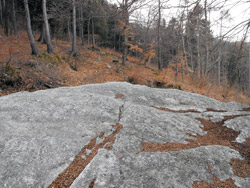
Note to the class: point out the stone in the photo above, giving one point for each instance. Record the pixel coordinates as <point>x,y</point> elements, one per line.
<point>41,134</point>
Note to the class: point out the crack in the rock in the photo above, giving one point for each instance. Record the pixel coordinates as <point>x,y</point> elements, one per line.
<point>91,185</point>
<point>214,110</point>
<point>120,112</point>
<point>246,109</point>
<point>195,111</point>
<point>67,177</point>
<point>175,111</point>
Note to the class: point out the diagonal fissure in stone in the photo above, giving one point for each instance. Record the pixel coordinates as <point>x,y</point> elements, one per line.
<point>67,177</point>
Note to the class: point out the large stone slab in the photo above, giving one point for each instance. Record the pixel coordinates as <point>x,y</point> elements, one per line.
<point>41,133</point>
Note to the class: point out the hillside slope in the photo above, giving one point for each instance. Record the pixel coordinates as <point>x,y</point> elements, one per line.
<point>29,73</point>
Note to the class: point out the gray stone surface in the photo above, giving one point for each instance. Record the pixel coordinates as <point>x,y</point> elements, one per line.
<point>241,124</point>
<point>42,132</point>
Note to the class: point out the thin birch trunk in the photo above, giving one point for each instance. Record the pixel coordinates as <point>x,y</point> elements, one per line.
<point>14,17</point>
<point>1,13</point>
<point>42,38</point>
<point>69,31</point>
<point>50,49</point>
<point>125,42</point>
<point>74,51</point>
<point>33,46</point>
<point>249,73</point>
<point>206,39</point>
<point>88,31</point>
<point>93,31</point>
<point>6,18</point>
<point>198,50</point>
<point>177,66</point>
<point>81,26</point>
<point>220,54</point>
<point>184,49</point>
<point>159,37</point>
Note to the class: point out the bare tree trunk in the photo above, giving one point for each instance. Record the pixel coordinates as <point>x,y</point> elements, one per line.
<point>50,49</point>
<point>6,18</point>
<point>125,48</point>
<point>184,49</point>
<point>198,51</point>
<point>14,17</point>
<point>159,37</point>
<point>42,38</point>
<point>29,30</point>
<point>1,13</point>
<point>93,31</point>
<point>206,39</point>
<point>81,26</point>
<point>69,32</point>
<point>220,54</point>
<point>119,42</point>
<point>177,66</point>
<point>190,49</point>
<point>88,31</point>
<point>249,73</point>
<point>74,51</point>
<point>125,42</point>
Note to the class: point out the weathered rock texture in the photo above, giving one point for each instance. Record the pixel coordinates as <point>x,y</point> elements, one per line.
<point>122,135</point>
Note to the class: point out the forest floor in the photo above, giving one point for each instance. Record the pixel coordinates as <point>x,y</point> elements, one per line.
<point>29,73</point>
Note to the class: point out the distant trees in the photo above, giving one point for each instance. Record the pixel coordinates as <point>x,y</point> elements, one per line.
<point>127,7</point>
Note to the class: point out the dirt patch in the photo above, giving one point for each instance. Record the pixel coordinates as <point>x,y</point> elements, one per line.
<point>241,168</point>
<point>229,183</point>
<point>176,111</point>
<point>119,96</point>
<point>91,185</point>
<point>67,177</point>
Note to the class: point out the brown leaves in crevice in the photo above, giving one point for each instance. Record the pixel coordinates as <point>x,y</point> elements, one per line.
<point>241,168</point>
<point>217,134</point>
<point>214,110</point>
<point>67,177</point>
<point>91,185</point>
<point>186,111</point>
<point>228,183</point>
<point>176,111</point>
